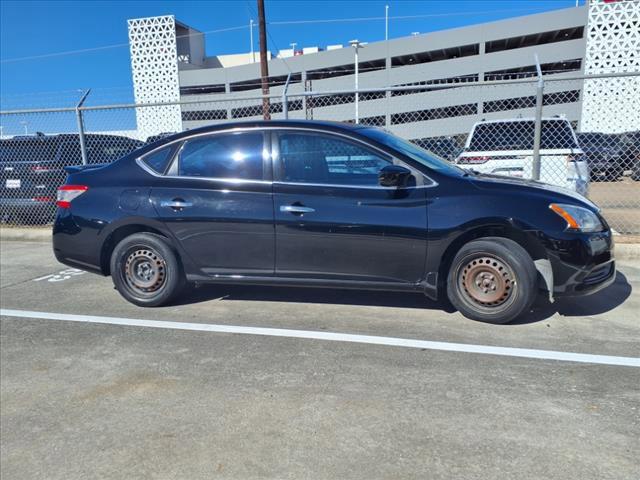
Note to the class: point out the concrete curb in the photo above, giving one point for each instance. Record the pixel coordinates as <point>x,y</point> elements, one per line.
<point>627,251</point>
<point>624,251</point>
<point>25,234</point>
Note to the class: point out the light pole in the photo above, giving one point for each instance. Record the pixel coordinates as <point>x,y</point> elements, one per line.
<point>24,124</point>
<point>356,45</point>
<point>386,22</point>
<point>253,55</point>
<point>293,48</point>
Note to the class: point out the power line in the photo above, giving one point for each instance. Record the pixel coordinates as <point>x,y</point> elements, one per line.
<point>242,27</point>
<point>402,17</point>
<point>108,47</point>
<point>270,38</point>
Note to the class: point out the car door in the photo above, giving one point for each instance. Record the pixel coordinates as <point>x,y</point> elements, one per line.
<point>217,201</point>
<point>335,222</point>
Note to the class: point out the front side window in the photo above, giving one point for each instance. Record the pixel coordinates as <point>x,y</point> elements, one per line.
<point>233,155</point>
<point>412,151</point>
<point>323,159</point>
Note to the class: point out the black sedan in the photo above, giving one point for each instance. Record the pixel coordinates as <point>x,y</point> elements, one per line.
<point>324,204</point>
<point>603,152</point>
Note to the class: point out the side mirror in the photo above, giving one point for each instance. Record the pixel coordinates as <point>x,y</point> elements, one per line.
<point>394,176</point>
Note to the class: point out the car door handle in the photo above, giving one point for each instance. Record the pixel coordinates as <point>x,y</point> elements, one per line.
<point>176,204</point>
<point>296,209</point>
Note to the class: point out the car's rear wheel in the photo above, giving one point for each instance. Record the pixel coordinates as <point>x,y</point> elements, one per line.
<point>145,270</point>
<point>492,280</point>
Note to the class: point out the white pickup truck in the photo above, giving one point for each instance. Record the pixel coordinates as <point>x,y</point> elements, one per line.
<point>505,147</point>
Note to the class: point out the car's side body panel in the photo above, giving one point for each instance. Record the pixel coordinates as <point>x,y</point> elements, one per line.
<point>227,228</point>
<point>359,234</point>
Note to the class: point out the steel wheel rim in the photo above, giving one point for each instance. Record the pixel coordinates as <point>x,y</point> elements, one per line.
<point>487,281</point>
<point>145,270</point>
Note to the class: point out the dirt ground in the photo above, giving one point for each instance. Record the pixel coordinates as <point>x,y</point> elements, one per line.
<point>620,203</point>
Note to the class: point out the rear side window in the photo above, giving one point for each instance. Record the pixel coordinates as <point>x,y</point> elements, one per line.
<point>555,134</point>
<point>233,155</point>
<point>159,160</point>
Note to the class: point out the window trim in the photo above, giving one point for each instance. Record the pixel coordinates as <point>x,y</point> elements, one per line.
<point>271,147</point>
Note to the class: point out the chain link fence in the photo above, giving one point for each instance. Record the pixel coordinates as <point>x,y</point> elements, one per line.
<point>581,133</point>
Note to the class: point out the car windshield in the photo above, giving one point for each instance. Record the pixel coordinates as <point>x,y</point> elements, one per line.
<point>412,151</point>
<point>518,135</point>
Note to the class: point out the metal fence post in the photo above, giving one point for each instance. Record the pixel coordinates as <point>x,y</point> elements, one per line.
<point>304,98</point>
<point>535,173</point>
<point>285,104</point>
<point>83,145</point>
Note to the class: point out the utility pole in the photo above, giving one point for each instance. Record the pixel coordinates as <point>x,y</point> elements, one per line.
<point>356,45</point>
<point>264,68</point>
<point>253,55</point>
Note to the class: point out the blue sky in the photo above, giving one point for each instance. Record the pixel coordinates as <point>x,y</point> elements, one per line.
<point>34,28</point>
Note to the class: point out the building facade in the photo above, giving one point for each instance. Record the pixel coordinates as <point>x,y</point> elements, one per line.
<point>562,40</point>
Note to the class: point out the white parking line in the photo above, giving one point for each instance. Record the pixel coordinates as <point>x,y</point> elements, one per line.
<point>336,337</point>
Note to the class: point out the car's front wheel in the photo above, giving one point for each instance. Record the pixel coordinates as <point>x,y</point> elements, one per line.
<point>492,279</point>
<point>145,270</point>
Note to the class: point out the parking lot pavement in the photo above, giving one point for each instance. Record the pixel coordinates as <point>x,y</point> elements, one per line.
<point>112,401</point>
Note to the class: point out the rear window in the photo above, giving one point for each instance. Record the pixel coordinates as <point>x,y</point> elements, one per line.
<point>555,134</point>
<point>28,150</point>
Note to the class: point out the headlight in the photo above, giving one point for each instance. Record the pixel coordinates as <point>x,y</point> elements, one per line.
<point>578,218</point>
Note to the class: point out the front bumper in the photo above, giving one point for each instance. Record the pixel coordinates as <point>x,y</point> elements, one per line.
<point>582,263</point>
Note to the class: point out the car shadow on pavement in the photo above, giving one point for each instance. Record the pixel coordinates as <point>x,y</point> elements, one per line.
<point>601,302</point>
<point>329,296</point>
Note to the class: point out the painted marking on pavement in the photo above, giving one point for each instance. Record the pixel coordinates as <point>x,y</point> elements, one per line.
<point>61,275</point>
<point>336,337</point>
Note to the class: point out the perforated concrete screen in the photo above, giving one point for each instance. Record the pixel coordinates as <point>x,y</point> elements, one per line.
<point>154,67</point>
<point>612,105</point>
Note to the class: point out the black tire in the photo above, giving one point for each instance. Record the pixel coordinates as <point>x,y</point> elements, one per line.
<point>146,271</point>
<point>492,280</point>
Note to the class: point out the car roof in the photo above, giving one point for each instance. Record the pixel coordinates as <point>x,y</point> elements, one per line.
<point>312,124</point>
<point>527,119</point>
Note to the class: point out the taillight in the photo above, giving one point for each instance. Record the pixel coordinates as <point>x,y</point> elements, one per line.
<point>41,169</point>
<point>66,193</point>
<point>473,160</point>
